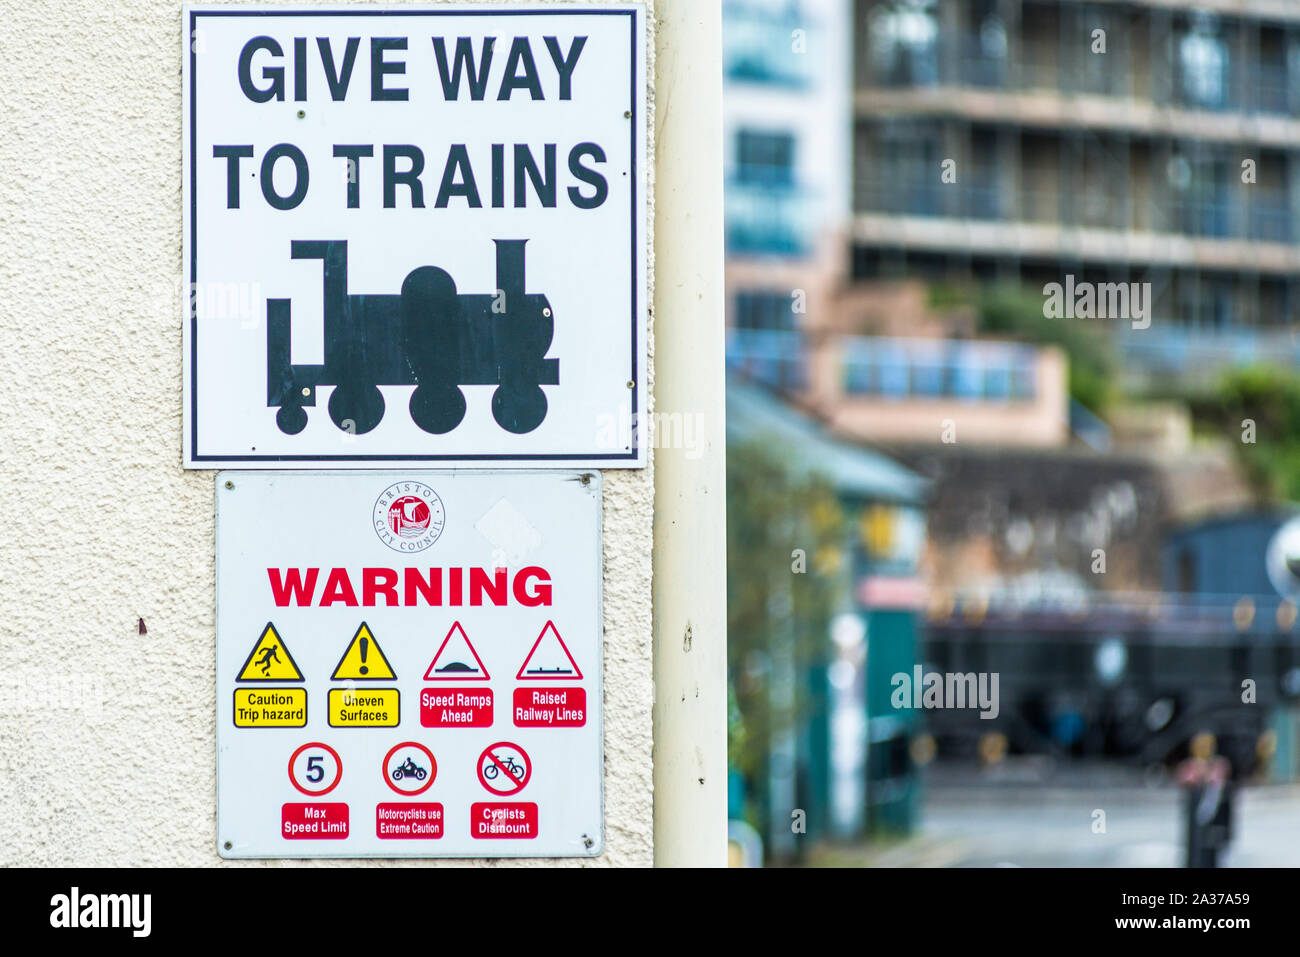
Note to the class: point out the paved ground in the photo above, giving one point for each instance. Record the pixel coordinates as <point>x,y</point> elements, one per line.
<point>972,820</point>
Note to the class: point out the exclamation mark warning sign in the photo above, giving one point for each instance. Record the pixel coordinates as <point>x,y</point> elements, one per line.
<point>363,660</point>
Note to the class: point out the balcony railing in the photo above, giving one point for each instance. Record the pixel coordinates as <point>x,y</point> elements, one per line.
<point>965,60</point>
<point>1168,348</point>
<point>975,371</point>
<point>893,367</point>
<point>1262,214</point>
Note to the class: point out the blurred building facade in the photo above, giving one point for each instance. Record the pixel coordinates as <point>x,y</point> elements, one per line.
<point>870,358</point>
<point>787,108</point>
<point>878,150</point>
<point>1153,141</point>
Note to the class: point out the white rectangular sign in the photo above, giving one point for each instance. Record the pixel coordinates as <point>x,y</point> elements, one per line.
<point>415,237</point>
<point>409,664</point>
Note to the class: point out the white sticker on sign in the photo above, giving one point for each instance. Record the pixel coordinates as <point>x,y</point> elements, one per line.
<point>415,237</point>
<point>386,686</point>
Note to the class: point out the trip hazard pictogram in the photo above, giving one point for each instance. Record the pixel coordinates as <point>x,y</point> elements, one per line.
<point>269,660</point>
<point>504,768</point>
<point>549,659</point>
<point>456,659</point>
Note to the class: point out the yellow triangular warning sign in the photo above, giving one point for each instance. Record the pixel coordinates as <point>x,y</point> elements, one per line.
<point>270,660</point>
<point>363,661</point>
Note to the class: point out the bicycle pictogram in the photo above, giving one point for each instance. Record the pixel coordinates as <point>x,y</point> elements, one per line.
<point>504,768</point>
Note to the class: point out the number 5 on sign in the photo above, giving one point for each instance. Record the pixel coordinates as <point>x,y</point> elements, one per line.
<point>315,769</point>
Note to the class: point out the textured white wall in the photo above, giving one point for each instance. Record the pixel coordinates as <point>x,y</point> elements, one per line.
<point>107,747</point>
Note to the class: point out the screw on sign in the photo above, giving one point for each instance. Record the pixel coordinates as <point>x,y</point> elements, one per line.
<point>504,768</point>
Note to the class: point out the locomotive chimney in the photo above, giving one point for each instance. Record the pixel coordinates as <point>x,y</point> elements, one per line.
<point>510,267</point>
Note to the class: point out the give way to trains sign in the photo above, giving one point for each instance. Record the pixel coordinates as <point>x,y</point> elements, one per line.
<point>415,237</point>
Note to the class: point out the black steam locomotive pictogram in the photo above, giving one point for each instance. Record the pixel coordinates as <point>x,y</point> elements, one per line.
<point>428,336</point>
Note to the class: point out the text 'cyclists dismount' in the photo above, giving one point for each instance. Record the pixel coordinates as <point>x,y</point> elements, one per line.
<point>409,664</point>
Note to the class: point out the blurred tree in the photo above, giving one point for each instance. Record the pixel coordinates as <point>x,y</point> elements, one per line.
<point>1269,397</point>
<point>1018,312</point>
<point>786,560</point>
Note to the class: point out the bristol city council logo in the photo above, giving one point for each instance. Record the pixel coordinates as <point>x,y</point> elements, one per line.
<point>408,517</point>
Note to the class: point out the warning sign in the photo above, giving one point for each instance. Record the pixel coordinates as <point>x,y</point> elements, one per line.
<point>456,659</point>
<point>504,768</point>
<point>363,660</point>
<point>269,660</point>
<point>315,768</point>
<point>452,692</point>
<point>409,768</point>
<point>549,659</point>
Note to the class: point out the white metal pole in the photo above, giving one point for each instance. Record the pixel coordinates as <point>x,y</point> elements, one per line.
<point>690,525</point>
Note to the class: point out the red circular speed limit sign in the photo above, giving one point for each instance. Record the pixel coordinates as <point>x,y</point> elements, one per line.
<point>315,769</point>
<point>504,768</point>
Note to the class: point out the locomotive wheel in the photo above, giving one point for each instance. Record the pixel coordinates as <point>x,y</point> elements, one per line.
<point>437,410</point>
<point>291,419</point>
<point>356,410</point>
<point>519,410</point>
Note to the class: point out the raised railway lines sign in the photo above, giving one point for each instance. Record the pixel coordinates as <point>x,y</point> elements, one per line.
<point>415,237</point>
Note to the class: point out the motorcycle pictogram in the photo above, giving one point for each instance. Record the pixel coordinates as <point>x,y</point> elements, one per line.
<point>409,769</point>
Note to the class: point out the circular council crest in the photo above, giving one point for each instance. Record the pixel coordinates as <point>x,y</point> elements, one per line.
<point>408,517</point>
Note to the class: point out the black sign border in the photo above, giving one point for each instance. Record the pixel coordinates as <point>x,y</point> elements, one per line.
<point>216,459</point>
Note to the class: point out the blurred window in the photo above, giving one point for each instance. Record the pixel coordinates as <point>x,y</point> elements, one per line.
<point>984,46</point>
<point>905,179</point>
<point>905,43</point>
<point>762,309</point>
<point>1203,64</point>
<point>1186,571</point>
<point>765,159</point>
<point>756,42</point>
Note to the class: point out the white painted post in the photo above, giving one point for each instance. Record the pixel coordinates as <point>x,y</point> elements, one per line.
<point>690,541</point>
